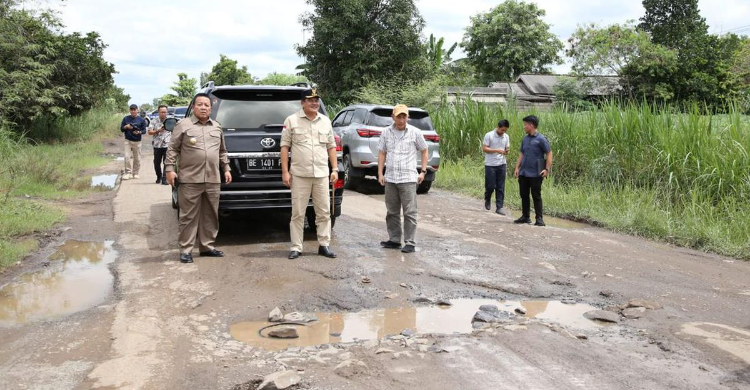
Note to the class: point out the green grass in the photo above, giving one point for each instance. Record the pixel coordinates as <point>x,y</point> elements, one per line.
<point>679,177</point>
<point>46,170</point>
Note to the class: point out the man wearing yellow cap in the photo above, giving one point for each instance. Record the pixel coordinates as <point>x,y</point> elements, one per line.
<point>309,137</point>
<point>398,147</point>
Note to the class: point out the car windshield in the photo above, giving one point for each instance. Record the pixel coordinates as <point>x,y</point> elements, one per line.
<point>382,117</point>
<point>255,109</point>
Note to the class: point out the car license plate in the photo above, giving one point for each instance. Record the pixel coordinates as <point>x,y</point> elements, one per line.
<point>263,163</point>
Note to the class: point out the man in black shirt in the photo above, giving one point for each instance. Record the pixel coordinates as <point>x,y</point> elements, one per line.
<point>132,126</point>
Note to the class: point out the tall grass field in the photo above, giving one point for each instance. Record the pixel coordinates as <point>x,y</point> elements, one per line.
<point>677,176</point>
<point>32,172</point>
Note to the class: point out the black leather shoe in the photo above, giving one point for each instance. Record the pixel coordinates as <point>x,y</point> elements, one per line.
<point>213,253</point>
<point>523,220</point>
<point>390,244</point>
<point>539,222</point>
<point>500,211</point>
<point>186,257</point>
<point>294,255</point>
<point>408,249</point>
<point>158,180</point>
<point>324,251</point>
<point>487,204</point>
<point>164,181</point>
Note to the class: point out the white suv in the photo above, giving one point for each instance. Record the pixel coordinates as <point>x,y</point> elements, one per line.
<point>360,126</point>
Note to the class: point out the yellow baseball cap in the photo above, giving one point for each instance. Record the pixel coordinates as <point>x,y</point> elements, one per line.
<point>400,109</point>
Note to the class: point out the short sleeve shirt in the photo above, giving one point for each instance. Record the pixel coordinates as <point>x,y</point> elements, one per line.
<point>309,141</point>
<point>401,149</point>
<point>533,148</point>
<point>494,141</point>
<point>161,140</point>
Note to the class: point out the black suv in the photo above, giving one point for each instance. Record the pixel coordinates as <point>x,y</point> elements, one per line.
<point>252,118</point>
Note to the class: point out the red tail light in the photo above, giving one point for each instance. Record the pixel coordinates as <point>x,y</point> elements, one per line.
<point>338,143</point>
<point>434,138</point>
<point>368,133</point>
<point>436,167</point>
<point>339,184</point>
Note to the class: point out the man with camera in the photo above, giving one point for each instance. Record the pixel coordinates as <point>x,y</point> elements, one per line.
<point>133,126</point>
<point>160,143</point>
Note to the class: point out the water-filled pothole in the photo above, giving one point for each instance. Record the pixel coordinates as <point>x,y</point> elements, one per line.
<point>105,182</point>
<point>379,323</point>
<point>77,278</point>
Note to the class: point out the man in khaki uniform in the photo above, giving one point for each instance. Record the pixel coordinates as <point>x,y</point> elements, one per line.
<point>309,135</point>
<point>198,143</point>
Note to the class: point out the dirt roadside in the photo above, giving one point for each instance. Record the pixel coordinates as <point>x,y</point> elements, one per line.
<point>167,325</point>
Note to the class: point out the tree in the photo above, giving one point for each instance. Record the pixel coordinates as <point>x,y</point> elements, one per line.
<point>184,91</point>
<point>46,74</point>
<point>437,56</point>
<point>355,42</point>
<point>702,60</point>
<point>226,72</point>
<point>282,79</point>
<point>509,40</point>
<point>146,107</point>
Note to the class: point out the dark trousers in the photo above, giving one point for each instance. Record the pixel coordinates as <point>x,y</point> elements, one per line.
<point>160,154</point>
<point>494,181</point>
<point>533,185</point>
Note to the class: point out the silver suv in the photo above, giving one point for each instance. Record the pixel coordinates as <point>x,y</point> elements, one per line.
<point>359,127</point>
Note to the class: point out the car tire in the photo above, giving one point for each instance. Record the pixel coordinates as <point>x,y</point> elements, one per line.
<point>311,221</point>
<point>350,182</point>
<point>424,187</point>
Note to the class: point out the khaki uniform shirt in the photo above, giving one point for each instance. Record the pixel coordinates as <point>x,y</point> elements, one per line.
<point>309,141</point>
<point>199,159</point>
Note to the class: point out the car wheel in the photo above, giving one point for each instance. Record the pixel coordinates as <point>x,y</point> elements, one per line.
<point>311,221</point>
<point>350,182</point>
<point>424,187</point>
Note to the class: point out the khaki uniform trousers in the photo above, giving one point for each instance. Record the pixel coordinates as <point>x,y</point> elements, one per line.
<point>199,215</point>
<point>132,157</point>
<point>302,189</point>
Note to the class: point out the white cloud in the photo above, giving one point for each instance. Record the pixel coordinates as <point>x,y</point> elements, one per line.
<point>149,42</point>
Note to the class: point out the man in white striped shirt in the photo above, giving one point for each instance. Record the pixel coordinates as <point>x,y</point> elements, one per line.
<point>398,147</point>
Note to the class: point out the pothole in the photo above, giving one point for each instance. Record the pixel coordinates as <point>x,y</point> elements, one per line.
<point>76,278</point>
<point>105,182</point>
<point>379,323</point>
<point>729,339</point>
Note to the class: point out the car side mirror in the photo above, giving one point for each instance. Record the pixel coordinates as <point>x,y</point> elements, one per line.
<point>170,123</point>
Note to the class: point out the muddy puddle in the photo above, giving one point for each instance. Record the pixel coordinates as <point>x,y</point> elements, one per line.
<point>77,278</point>
<point>379,323</point>
<point>731,340</point>
<point>104,182</point>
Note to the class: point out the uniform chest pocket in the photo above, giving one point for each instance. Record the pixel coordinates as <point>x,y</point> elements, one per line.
<point>214,138</point>
<point>323,137</point>
<point>194,137</point>
<point>300,135</point>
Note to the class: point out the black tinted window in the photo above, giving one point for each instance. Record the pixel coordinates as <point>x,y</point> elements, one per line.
<point>180,110</point>
<point>339,119</point>
<point>347,118</point>
<point>382,118</point>
<point>253,109</point>
<point>359,115</point>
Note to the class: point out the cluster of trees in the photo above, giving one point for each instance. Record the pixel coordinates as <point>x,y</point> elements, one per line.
<point>225,72</point>
<point>668,56</point>
<point>46,74</point>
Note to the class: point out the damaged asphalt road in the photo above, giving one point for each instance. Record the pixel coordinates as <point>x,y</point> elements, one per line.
<point>682,316</point>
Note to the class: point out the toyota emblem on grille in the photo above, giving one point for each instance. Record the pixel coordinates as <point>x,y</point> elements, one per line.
<point>267,143</point>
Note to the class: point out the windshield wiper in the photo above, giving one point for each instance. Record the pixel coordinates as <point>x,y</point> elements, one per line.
<point>272,126</point>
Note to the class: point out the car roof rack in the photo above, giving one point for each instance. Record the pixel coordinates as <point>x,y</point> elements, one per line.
<point>301,84</point>
<point>209,85</point>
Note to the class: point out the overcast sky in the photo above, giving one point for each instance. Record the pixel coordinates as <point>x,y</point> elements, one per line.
<point>149,41</point>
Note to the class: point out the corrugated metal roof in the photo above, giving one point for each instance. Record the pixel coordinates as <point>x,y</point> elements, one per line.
<point>539,84</point>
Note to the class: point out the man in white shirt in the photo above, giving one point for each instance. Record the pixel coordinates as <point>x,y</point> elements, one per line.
<point>495,147</point>
<point>398,147</point>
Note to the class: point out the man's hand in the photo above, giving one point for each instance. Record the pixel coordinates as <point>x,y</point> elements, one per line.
<point>516,173</point>
<point>171,177</point>
<point>544,173</point>
<point>228,177</point>
<point>286,178</point>
<point>334,176</point>
<point>381,180</point>
<point>128,127</point>
<point>420,179</point>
